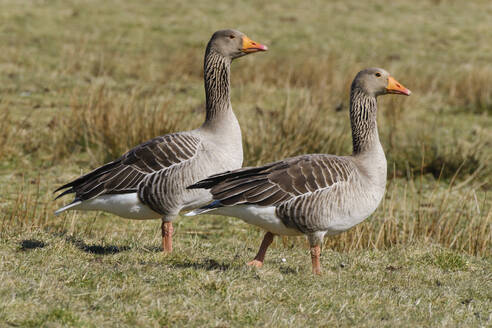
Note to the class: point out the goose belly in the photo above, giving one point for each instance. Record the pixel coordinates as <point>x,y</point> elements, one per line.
<point>124,205</point>
<point>353,213</point>
<point>261,216</point>
<point>344,223</point>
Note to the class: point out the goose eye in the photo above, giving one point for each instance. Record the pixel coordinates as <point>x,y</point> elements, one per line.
<point>231,36</point>
<point>378,74</point>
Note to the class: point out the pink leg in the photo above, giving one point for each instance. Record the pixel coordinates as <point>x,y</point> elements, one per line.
<point>167,236</point>
<point>315,254</point>
<point>260,257</point>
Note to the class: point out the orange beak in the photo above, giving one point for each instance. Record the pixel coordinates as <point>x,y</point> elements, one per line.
<point>395,87</point>
<point>250,46</point>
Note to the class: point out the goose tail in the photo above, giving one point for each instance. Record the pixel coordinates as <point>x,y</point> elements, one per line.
<point>67,207</point>
<point>204,209</point>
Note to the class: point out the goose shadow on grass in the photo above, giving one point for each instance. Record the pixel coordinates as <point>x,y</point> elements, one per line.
<point>208,264</point>
<point>96,249</point>
<point>28,244</point>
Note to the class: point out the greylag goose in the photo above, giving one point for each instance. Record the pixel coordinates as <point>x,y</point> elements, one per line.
<point>149,181</point>
<point>314,194</point>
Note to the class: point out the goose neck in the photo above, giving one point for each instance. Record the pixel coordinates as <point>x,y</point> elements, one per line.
<point>363,112</point>
<point>217,86</point>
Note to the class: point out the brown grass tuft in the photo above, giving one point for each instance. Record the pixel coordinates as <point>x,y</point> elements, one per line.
<point>107,124</point>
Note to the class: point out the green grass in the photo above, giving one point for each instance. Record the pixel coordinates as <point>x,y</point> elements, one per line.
<point>81,82</point>
<point>111,273</point>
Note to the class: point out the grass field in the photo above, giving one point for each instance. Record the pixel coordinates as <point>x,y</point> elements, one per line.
<point>81,82</point>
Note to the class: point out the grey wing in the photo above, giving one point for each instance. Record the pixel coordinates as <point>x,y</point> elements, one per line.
<point>125,174</point>
<point>293,186</point>
<point>311,211</point>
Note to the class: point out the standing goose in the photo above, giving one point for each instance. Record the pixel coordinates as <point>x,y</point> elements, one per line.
<point>149,181</point>
<point>313,194</point>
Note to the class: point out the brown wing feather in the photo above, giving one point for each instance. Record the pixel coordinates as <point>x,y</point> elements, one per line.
<point>126,173</point>
<point>277,182</point>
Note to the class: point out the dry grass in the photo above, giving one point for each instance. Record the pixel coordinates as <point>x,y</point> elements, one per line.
<point>106,126</point>
<point>80,83</point>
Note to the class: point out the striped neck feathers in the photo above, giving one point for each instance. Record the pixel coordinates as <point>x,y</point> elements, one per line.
<point>363,113</point>
<point>217,85</point>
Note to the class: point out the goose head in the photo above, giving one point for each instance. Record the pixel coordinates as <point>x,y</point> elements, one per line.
<point>233,44</point>
<point>376,82</point>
